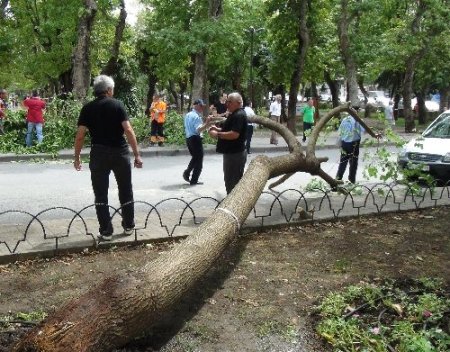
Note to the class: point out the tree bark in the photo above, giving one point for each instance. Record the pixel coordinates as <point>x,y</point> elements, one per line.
<point>445,99</point>
<point>65,79</point>
<point>3,5</point>
<point>302,49</point>
<point>199,90</point>
<point>410,125</point>
<point>199,82</point>
<point>334,89</point>
<point>183,87</point>
<point>81,74</point>
<point>146,63</point>
<point>174,93</point>
<point>349,62</point>
<point>411,62</point>
<point>422,110</point>
<point>111,66</point>
<point>124,307</point>
<point>315,97</point>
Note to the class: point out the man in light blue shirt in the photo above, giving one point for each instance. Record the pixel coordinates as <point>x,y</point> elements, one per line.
<point>193,126</point>
<point>350,132</point>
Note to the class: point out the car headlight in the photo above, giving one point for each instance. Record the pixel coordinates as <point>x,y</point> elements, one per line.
<point>446,158</point>
<point>402,154</point>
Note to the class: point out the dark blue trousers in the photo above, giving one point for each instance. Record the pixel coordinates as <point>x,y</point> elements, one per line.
<point>103,160</point>
<point>349,154</point>
<point>195,146</point>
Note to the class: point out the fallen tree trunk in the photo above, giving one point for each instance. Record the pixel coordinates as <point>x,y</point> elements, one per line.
<point>124,307</point>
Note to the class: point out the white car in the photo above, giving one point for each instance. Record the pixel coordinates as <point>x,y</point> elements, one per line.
<point>430,105</point>
<point>377,98</point>
<point>325,96</point>
<point>430,152</point>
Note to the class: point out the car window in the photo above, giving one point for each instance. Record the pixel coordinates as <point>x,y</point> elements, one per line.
<point>440,129</point>
<point>439,119</point>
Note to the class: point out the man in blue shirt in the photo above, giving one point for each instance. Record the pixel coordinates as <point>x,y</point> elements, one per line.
<point>350,132</point>
<point>193,126</point>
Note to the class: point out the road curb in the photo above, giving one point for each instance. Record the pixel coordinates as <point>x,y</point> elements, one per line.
<point>157,152</point>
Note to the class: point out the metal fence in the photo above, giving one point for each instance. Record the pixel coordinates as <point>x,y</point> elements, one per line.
<point>59,229</point>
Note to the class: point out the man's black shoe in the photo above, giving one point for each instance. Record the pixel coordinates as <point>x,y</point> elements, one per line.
<point>186,176</point>
<point>196,183</point>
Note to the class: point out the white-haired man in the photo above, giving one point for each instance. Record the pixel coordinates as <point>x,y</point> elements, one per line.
<point>231,138</point>
<point>106,120</point>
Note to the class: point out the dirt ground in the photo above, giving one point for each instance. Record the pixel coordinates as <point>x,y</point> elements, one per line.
<point>261,295</point>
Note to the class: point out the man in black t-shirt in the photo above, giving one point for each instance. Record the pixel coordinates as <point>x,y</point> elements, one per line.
<point>221,105</point>
<point>106,120</point>
<point>231,139</point>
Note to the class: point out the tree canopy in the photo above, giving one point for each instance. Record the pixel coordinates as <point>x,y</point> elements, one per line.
<point>400,45</point>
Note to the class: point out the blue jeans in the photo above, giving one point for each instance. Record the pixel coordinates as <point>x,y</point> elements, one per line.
<point>103,160</point>
<point>29,137</point>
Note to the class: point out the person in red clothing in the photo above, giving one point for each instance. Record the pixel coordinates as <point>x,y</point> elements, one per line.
<point>35,117</point>
<point>3,98</point>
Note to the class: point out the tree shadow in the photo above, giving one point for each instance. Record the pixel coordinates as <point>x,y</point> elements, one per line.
<point>174,320</point>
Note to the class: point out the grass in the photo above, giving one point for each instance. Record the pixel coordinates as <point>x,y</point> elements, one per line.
<point>403,315</point>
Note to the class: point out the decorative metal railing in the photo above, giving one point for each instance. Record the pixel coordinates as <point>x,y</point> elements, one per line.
<point>58,229</point>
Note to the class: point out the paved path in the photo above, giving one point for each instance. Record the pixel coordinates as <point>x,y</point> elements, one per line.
<point>65,228</point>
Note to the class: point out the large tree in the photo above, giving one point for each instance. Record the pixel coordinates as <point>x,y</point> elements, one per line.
<point>111,66</point>
<point>38,43</point>
<point>302,39</point>
<point>203,38</point>
<point>123,307</point>
<point>199,82</point>
<point>412,35</point>
<point>81,76</point>
<point>345,20</point>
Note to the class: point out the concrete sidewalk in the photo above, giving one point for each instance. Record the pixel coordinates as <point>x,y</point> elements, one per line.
<point>24,235</point>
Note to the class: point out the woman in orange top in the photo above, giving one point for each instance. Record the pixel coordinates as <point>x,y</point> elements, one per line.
<point>158,111</point>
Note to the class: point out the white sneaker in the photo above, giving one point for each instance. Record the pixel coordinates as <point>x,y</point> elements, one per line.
<point>104,237</point>
<point>128,232</point>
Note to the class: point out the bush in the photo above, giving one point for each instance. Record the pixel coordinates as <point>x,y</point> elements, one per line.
<point>174,130</point>
<point>59,129</point>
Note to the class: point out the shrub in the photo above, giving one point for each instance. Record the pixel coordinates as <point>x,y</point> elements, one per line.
<point>59,129</point>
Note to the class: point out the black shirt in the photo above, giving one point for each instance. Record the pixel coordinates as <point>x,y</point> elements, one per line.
<point>103,117</point>
<point>237,121</point>
<point>220,107</point>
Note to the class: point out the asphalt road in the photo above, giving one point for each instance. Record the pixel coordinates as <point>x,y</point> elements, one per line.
<point>33,187</point>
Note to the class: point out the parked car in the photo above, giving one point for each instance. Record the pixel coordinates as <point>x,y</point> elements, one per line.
<point>430,105</point>
<point>430,153</point>
<point>377,98</point>
<point>325,96</point>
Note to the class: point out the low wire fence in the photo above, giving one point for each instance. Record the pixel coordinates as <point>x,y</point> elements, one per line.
<point>60,229</point>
